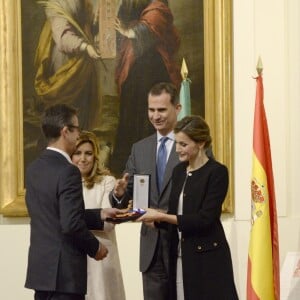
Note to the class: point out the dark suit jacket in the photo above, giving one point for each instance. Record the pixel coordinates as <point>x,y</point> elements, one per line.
<point>142,160</point>
<point>59,237</point>
<point>206,260</point>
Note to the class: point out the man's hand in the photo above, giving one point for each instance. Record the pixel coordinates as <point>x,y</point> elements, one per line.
<point>121,185</point>
<point>101,253</point>
<point>111,212</point>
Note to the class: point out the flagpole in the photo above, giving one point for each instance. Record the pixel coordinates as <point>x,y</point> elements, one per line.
<point>263,254</point>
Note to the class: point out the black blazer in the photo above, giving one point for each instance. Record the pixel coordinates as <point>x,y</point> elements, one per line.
<point>206,260</point>
<point>59,236</point>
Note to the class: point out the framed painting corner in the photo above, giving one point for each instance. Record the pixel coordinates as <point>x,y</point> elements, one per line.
<point>15,208</point>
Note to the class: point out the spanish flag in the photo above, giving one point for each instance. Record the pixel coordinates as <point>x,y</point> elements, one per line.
<point>263,257</point>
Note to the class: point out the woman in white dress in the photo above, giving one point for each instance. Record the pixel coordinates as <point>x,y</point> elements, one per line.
<point>104,278</point>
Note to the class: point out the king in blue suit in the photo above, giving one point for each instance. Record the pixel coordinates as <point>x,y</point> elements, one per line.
<point>163,108</point>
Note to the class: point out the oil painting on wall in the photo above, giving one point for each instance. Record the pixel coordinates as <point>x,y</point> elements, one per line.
<point>110,91</point>
<point>80,52</point>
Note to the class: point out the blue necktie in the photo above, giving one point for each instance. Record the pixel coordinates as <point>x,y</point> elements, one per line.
<point>161,162</point>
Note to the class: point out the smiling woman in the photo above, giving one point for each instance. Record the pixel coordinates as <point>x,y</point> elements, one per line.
<point>199,187</point>
<point>216,60</point>
<point>83,158</point>
<point>104,280</point>
<point>87,157</point>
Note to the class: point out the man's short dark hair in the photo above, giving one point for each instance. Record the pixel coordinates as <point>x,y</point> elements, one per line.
<point>165,87</point>
<point>55,118</point>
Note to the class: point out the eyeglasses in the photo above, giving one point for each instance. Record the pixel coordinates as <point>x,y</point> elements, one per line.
<point>74,126</point>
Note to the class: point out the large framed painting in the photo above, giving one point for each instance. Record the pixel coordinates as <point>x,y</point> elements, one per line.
<point>37,71</point>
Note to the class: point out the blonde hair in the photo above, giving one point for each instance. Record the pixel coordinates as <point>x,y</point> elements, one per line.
<point>98,171</point>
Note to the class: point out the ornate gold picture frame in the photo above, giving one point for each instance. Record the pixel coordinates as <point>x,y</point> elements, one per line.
<point>218,98</point>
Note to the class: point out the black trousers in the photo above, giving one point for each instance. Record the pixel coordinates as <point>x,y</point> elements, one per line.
<point>45,295</point>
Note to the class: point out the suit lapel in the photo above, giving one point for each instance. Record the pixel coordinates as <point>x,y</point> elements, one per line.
<point>152,158</point>
<point>172,162</point>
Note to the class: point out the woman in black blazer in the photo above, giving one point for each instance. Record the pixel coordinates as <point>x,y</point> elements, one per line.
<point>200,259</point>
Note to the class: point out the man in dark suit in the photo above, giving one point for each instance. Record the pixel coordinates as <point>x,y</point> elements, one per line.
<point>59,237</point>
<point>163,108</point>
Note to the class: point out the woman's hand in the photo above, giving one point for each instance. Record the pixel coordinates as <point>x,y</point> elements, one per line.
<point>151,215</point>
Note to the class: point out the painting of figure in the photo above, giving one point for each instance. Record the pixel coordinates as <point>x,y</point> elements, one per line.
<point>64,66</point>
<point>62,61</point>
<point>148,44</point>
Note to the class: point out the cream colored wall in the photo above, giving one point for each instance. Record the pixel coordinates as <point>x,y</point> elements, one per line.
<point>14,235</point>
<point>269,28</point>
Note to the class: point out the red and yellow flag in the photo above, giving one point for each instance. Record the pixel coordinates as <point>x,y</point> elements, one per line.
<point>263,257</point>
